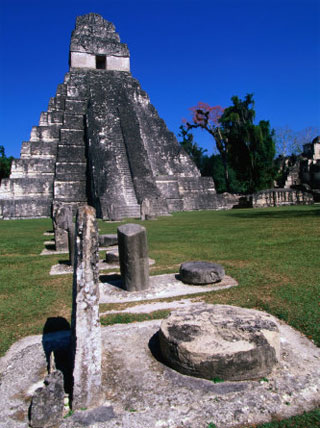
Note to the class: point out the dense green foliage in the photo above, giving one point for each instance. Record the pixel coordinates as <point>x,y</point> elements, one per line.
<point>209,166</point>
<point>196,153</point>
<point>5,164</point>
<point>246,150</point>
<point>251,148</point>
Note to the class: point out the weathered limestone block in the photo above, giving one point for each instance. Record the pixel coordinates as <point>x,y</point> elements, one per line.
<point>112,257</point>
<point>86,333</point>
<point>71,243</point>
<point>147,210</point>
<point>108,239</point>
<point>47,402</point>
<point>279,197</point>
<point>220,341</point>
<point>62,221</point>
<point>201,272</point>
<point>134,261</point>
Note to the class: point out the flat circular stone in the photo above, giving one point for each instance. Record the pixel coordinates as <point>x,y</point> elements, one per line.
<point>220,342</point>
<point>198,273</point>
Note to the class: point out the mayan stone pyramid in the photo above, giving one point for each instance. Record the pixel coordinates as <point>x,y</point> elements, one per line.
<point>102,142</point>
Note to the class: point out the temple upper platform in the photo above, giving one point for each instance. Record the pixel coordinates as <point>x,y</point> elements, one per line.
<point>96,45</point>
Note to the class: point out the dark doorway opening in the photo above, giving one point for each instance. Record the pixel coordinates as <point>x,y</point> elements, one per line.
<point>101,62</point>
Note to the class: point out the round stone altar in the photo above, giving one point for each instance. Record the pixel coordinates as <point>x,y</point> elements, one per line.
<point>198,273</point>
<point>220,342</point>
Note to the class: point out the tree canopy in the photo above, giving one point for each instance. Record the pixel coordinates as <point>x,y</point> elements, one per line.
<point>245,149</point>
<point>5,164</point>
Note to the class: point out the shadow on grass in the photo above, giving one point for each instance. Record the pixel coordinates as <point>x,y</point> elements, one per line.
<point>275,213</point>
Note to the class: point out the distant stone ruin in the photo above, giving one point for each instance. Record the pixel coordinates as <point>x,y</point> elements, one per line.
<point>276,198</point>
<point>102,142</point>
<point>303,172</point>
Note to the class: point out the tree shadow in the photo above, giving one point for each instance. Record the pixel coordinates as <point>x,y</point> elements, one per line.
<point>56,339</point>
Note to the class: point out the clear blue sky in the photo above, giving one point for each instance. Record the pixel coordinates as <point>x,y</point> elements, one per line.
<point>182,52</point>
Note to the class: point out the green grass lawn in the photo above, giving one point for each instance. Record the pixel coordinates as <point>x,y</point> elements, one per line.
<point>273,253</point>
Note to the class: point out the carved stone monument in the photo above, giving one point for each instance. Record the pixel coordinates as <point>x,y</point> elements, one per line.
<point>133,254</point>
<point>62,222</point>
<point>102,142</point>
<point>86,332</point>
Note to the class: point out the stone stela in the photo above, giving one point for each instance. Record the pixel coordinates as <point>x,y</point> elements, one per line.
<point>133,255</point>
<point>62,222</point>
<point>86,331</point>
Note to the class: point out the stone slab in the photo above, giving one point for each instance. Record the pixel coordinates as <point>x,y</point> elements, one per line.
<point>140,391</point>
<point>64,267</point>
<point>147,308</point>
<point>167,285</point>
<point>52,252</point>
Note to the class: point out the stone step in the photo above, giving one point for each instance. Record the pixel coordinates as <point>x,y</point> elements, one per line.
<point>128,211</point>
<point>45,133</point>
<point>71,171</point>
<point>71,153</point>
<point>26,187</point>
<point>39,149</point>
<point>26,207</point>
<point>32,167</point>
<point>70,191</point>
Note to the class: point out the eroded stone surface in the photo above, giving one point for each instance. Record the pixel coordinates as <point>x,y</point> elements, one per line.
<point>220,341</point>
<point>167,285</point>
<point>133,254</point>
<point>112,257</point>
<point>62,222</point>
<point>201,273</point>
<point>47,402</point>
<point>143,392</point>
<point>86,332</point>
<point>107,240</point>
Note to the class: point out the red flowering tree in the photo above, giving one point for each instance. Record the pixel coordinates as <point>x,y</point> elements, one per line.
<point>207,117</point>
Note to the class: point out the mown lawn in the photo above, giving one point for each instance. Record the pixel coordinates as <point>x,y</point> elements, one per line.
<point>273,253</point>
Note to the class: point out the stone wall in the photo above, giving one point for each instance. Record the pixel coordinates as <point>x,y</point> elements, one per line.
<point>278,197</point>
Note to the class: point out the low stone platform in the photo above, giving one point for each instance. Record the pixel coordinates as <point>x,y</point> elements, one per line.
<point>140,391</point>
<point>167,285</point>
<point>50,249</point>
<point>65,268</point>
